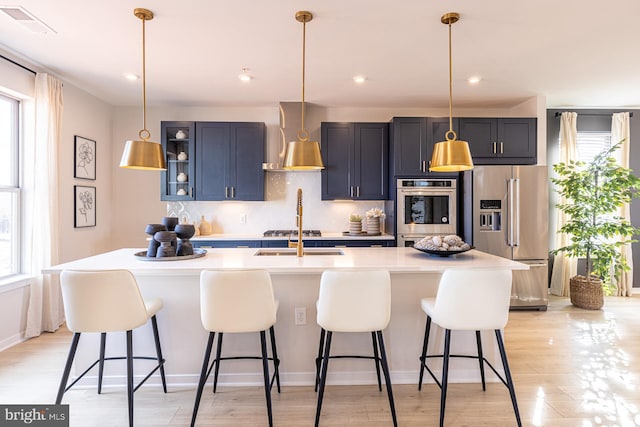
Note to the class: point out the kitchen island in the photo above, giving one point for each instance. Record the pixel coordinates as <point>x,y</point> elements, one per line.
<point>414,275</point>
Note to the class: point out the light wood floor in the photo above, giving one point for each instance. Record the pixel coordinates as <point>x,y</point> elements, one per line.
<point>571,367</point>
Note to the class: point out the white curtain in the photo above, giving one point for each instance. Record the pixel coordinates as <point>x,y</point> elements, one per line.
<point>564,267</point>
<point>45,311</point>
<point>620,130</point>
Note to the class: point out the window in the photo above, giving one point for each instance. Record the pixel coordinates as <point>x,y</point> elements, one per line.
<point>9,187</point>
<point>590,144</point>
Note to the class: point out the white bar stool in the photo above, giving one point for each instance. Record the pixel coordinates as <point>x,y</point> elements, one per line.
<point>470,300</point>
<point>354,301</point>
<point>107,301</point>
<point>234,302</point>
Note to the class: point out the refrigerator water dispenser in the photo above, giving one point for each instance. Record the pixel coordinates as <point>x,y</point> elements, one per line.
<point>490,215</point>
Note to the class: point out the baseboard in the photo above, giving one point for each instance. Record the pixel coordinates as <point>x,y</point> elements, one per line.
<point>11,341</point>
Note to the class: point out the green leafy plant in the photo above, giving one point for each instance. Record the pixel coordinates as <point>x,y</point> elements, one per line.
<point>355,218</point>
<point>593,192</point>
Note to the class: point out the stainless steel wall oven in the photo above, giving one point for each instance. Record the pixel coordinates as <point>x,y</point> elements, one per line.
<point>425,207</point>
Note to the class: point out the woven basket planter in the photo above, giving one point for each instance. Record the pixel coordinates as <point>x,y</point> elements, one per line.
<point>584,294</point>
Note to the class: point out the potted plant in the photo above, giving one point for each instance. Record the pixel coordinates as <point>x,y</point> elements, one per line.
<point>593,192</point>
<point>355,224</point>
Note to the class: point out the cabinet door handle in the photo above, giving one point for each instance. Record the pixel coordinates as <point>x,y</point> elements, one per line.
<point>351,191</point>
<point>375,246</point>
<point>242,246</point>
<point>226,192</point>
<point>190,191</point>
<point>424,166</point>
<point>494,147</point>
<point>501,147</point>
<point>233,192</point>
<point>358,191</point>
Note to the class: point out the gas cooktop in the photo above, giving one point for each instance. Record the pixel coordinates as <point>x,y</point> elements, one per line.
<point>287,233</point>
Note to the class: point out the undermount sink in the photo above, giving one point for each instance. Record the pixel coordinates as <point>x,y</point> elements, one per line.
<point>292,251</point>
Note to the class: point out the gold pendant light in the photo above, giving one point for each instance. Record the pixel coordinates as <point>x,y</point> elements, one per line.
<point>451,155</point>
<point>303,154</point>
<point>143,154</point>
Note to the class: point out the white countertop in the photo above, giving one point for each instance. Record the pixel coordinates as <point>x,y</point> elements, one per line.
<point>394,259</point>
<point>325,236</point>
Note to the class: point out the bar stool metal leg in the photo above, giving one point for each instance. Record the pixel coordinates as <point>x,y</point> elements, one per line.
<point>67,367</point>
<point>156,339</point>
<point>387,378</point>
<point>445,374</point>
<point>276,361</point>
<point>130,375</point>
<point>217,362</point>
<point>265,368</point>
<point>103,343</point>
<point>376,357</point>
<point>204,373</point>
<point>423,358</point>
<point>319,358</point>
<point>481,359</point>
<point>507,373</point>
<point>323,375</point>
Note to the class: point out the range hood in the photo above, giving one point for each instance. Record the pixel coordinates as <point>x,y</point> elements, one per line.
<point>290,122</point>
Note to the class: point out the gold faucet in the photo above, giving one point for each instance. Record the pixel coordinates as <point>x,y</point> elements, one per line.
<point>298,245</point>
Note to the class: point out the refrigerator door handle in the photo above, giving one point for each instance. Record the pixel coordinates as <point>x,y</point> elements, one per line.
<point>510,237</point>
<point>517,214</point>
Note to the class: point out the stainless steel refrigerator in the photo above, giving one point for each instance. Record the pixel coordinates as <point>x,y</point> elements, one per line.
<point>510,219</point>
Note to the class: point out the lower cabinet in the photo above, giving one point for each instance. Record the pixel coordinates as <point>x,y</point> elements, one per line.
<point>359,243</point>
<point>204,244</point>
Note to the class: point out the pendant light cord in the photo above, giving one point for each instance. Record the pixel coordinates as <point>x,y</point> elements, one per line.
<point>144,134</point>
<point>303,135</point>
<point>450,85</point>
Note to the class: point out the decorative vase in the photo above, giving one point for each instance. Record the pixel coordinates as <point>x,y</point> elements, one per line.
<point>151,230</point>
<point>182,156</point>
<point>165,238</point>
<point>355,227</point>
<point>586,294</point>
<point>182,177</point>
<point>373,226</point>
<point>205,227</point>
<point>181,192</point>
<point>170,222</point>
<point>184,233</point>
<point>181,134</point>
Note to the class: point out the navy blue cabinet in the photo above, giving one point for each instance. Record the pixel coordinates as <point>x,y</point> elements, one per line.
<point>178,144</point>
<point>229,160</point>
<point>506,141</point>
<point>412,143</point>
<point>356,161</point>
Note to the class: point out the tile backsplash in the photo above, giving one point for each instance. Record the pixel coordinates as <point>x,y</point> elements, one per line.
<point>278,211</point>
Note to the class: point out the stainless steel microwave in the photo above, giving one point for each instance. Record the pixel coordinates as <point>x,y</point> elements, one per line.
<point>426,207</point>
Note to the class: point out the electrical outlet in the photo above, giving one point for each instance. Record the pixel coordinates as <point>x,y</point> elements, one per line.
<point>243,218</point>
<point>301,316</point>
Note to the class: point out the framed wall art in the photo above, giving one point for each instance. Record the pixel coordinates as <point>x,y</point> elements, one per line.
<point>84,151</point>
<point>84,206</point>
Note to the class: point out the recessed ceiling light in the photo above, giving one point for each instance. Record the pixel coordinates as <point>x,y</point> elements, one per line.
<point>131,76</point>
<point>359,79</point>
<point>245,76</point>
<point>474,80</point>
<point>27,19</point>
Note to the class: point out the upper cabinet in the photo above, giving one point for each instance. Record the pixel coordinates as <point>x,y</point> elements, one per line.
<point>213,161</point>
<point>178,143</point>
<point>507,141</point>
<point>229,160</point>
<point>356,161</point>
<point>413,140</point>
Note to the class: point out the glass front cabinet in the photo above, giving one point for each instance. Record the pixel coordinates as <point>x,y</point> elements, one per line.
<point>178,143</point>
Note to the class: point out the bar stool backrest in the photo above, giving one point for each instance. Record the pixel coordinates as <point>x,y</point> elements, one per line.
<point>473,299</point>
<point>102,301</point>
<point>237,301</point>
<point>354,301</point>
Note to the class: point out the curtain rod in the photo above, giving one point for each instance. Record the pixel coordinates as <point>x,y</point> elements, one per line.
<point>19,65</point>
<point>593,114</point>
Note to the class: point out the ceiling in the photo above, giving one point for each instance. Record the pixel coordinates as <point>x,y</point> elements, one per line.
<point>573,52</point>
